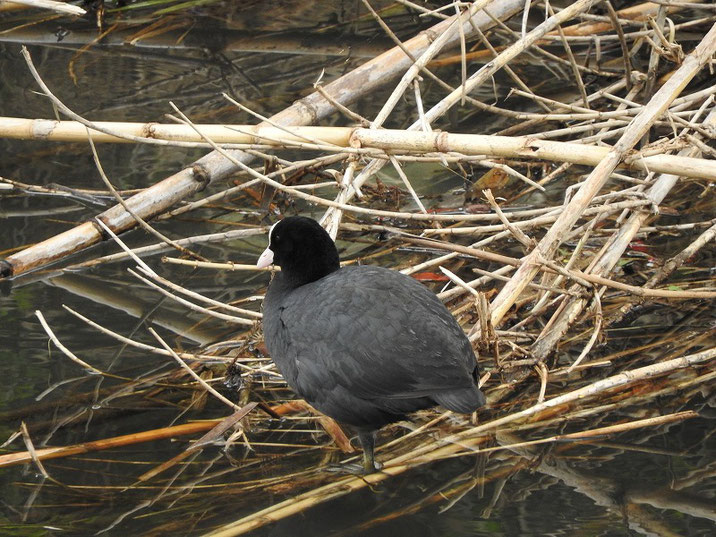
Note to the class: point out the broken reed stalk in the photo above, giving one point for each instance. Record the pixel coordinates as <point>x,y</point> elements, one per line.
<point>12,459</point>
<point>51,5</point>
<point>670,266</point>
<point>580,394</point>
<point>333,215</point>
<point>74,131</point>
<point>472,438</point>
<point>524,147</point>
<point>570,309</point>
<point>332,491</point>
<point>146,270</point>
<point>467,439</point>
<point>212,167</point>
<point>593,389</point>
<point>385,140</point>
<point>213,426</point>
<point>214,434</point>
<point>546,248</point>
<point>572,273</point>
<point>639,12</point>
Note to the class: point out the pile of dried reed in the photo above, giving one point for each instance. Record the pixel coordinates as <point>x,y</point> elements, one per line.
<point>542,289</point>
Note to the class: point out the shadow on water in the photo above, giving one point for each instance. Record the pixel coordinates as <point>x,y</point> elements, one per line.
<point>651,481</point>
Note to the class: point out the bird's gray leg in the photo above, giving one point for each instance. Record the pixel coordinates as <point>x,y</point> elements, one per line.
<point>367,441</point>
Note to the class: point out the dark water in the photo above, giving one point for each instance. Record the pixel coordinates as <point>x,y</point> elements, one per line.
<point>658,482</point>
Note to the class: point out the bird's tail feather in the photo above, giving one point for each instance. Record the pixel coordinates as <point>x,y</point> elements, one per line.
<point>463,401</point>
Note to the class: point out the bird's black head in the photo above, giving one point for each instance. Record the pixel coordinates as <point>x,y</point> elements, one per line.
<point>303,250</point>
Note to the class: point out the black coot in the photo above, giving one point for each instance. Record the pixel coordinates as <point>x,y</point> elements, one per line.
<point>365,345</point>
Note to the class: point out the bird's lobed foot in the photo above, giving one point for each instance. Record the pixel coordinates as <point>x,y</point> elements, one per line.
<point>353,468</point>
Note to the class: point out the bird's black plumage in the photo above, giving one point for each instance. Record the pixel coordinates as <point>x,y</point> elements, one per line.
<point>365,345</point>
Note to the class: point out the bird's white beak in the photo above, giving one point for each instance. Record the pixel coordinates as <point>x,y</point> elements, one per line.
<point>265,259</point>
